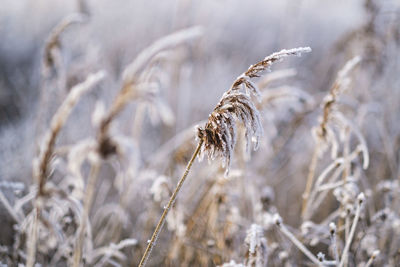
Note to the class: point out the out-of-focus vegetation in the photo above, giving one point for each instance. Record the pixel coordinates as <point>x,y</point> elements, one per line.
<point>100,108</point>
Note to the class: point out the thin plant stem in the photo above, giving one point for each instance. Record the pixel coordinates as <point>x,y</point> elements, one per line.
<point>352,231</point>
<point>32,238</point>
<point>296,242</point>
<point>152,241</point>
<point>138,122</point>
<point>372,258</point>
<point>346,152</point>
<point>87,203</point>
<point>310,180</point>
<point>333,233</point>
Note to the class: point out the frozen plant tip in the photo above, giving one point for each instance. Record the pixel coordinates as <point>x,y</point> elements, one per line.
<point>219,133</point>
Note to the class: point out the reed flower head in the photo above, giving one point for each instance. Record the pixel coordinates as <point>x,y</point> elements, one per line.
<point>218,136</point>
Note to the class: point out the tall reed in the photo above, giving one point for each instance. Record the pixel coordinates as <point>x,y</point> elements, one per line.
<point>218,137</point>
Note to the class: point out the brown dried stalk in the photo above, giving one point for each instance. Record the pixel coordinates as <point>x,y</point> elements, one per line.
<point>52,69</point>
<point>94,170</point>
<point>57,122</point>
<point>132,87</point>
<point>52,57</point>
<point>218,137</point>
<point>42,163</point>
<point>322,132</point>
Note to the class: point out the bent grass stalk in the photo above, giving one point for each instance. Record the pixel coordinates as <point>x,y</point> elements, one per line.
<point>171,201</point>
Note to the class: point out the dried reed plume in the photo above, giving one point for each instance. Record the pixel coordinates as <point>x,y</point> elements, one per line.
<point>42,163</point>
<point>219,134</point>
<point>53,73</point>
<point>323,133</point>
<point>132,86</point>
<point>57,122</point>
<point>218,137</point>
<point>52,57</point>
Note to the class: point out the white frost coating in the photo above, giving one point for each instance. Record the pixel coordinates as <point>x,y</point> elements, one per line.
<point>257,245</point>
<point>287,52</point>
<point>253,238</point>
<point>349,67</point>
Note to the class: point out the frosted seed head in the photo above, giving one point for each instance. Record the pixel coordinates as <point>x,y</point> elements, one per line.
<point>332,228</point>
<point>283,255</point>
<point>321,256</point>
<point>218,136</point>
<point>375,254</point>
<point>361,198</point>
<point>277,219</point>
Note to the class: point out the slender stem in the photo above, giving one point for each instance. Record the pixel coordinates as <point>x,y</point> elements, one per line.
<point>346,152</point>
<point>32,238</point>
<point>87,203</point>
<point>334,247</point>
<point>297,243</point>
<point>138,122</point>
<point>351,235</point>
<point>372,258</point>
<point>152,241</point>
<point>310,180</point>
